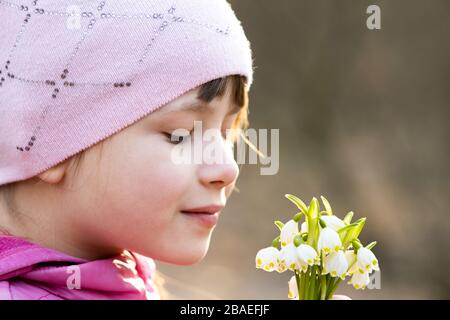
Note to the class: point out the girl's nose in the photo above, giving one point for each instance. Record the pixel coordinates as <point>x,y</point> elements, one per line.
<point>222,171</point>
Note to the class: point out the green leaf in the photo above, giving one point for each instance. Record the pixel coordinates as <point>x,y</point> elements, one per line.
<point>343,231</point>
<point>313,209</point>
<point>371,245</point>
<point>327,206</point>
<point>312,218</point>
<point>279,224</point>
<point>298,202</point>
<point>356,244</point>
<point>348,217</point>
<point>353,233</point>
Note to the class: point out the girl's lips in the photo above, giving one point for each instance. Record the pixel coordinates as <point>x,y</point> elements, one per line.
<point>211,209</point>
<point>207,215</point>
<point>207,219</point>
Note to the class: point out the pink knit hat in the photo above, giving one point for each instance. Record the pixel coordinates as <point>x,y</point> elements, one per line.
<point>73,73</point>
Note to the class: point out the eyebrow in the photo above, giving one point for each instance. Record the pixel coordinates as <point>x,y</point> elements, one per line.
<point>198,106</point>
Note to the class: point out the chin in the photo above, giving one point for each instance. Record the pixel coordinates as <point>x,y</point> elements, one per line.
<point>182,256</point>
<point>182,259</point>
<point>185,260</point>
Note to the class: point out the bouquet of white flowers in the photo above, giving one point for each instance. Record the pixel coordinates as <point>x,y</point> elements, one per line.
<point>321,254</point>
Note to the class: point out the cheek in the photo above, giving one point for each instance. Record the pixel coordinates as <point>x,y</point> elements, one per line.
<point>146,186</point>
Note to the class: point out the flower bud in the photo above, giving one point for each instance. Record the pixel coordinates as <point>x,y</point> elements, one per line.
<point>293,288</point>
<point>297,217</point>
<point>276,242</point>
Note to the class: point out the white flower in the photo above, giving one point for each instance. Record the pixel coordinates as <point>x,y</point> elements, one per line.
<point>360,279</point>
<point>329,241</point>
<point>304,227</point>
<point>267,259</point>
<point>351,260</point>
<point>293,289</point>
<point>335,264</point>
<point>307,255</point>
<point>367,260</point>
<point>288,232</point>
<point>288,258</point>
<point>333,222</point>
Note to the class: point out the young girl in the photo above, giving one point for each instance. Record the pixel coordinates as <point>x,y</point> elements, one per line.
<point>90,94</point>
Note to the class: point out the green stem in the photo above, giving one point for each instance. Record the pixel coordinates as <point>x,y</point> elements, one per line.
<point>305,286</point>
<point>312,286</point>
<point>330,283</point>
<point>317,279</point>
<point>323,289</point>
<point>302,286</point>
<point>329,280</point>
<point>333,288</point>
<point>297,281</point>
<point>307,282</point>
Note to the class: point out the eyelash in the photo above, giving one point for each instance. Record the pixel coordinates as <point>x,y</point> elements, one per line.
<point>177,138</point>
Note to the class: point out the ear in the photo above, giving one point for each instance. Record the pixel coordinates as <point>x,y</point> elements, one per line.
<point>55,174</point>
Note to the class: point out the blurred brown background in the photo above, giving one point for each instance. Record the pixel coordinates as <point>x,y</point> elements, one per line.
<point>363,120</point>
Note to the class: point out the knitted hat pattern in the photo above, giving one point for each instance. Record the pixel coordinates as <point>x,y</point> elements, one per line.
<point>73,73</point>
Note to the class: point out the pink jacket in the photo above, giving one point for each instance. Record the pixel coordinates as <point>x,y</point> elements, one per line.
<point>31,272</point>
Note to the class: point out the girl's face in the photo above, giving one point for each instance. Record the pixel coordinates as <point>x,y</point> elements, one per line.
<point>131,197</point>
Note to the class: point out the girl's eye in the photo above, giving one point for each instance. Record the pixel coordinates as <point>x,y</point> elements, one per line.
<point>176,139</point>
